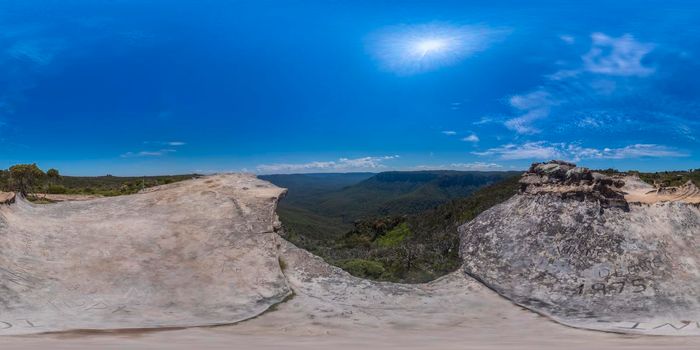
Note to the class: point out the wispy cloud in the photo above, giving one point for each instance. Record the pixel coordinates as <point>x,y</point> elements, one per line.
<point>485,120</point>
<point>472,166</point>
<point>157,153</point>
<point>532,106</point>
<point>530,150</point>
<point>449,132</point>
<point>542,150</point>
<point>471,138</point>
<point>569,39</point>
<point>617,56</point>
<point>640,151</point>
<point>342,164</point>
<point>37,52</point>
<point>27,51</point>
<point>595,80</point>
<point>166,143</point>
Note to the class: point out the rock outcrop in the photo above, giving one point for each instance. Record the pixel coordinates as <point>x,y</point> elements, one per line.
<point>569,181</point>
<point>7,198</point>
<point>572,247</point>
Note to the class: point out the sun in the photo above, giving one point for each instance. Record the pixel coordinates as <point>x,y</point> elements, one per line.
<point>427,46</point>
<point>412,49</point>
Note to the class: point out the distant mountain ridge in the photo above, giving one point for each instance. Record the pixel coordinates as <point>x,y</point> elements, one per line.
<point>404,192</point>
<point>328,204</point>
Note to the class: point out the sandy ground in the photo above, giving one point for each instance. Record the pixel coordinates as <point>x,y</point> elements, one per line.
<point>67,197</point>
<point>638,191</point>
<point>537,334</point>
<point>6,197</point>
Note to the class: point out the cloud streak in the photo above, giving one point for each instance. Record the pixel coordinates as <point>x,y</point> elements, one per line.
<point>472,166</point>
<point>617,56</point>
<point>542,150</point>
<point>342,164</point>
<point>158,153</point>
<point>471,138</point>
<point>598,79</point>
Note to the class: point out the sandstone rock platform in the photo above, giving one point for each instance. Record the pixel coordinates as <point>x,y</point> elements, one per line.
<point>206,252</point>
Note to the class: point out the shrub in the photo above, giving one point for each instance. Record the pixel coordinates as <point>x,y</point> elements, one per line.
<point>394,237</point>
<point>56,189</point>
<point>363,268</point>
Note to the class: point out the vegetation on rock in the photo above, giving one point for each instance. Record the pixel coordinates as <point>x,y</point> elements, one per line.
<point>29,179</point>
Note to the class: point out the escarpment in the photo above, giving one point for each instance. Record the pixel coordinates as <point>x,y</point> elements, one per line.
<point>571,246</point>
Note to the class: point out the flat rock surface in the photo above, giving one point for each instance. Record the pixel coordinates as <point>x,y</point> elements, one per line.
<point>194,253</point>
<point>332,310</point>
<point>67,197</point>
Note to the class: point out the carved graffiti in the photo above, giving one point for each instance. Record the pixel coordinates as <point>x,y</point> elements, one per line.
<point>23,323</point>
<point>637,285</point>
<point>664,325</point>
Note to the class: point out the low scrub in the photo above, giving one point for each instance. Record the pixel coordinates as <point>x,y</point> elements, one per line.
<point>363,268</point>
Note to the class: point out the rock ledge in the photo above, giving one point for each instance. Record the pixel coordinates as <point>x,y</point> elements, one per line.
<point>570,181</point>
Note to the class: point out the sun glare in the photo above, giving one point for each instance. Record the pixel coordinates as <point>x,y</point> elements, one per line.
<point>408,50</point>
<point>427,46</point>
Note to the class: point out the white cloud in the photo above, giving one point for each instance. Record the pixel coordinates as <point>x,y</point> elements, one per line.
<point>449,132</point>
<point>157,153</point>
<point>641,150</point>
<point>532,106</point>
<point>166,143</point>
<point>530,150</point>
<point>38,52</point>
<point>471,138</point>
<point>617,56</point>
<point>542,150</point>
<point>342,164</point>
<point>567,39</point>
<point>476,166</point>
<point>473,166</point>
<point>484,120</point>
<point>590,81</point>
<point>589,122</point>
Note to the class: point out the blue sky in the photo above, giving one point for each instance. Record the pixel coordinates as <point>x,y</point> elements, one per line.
<point>130,87</point>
